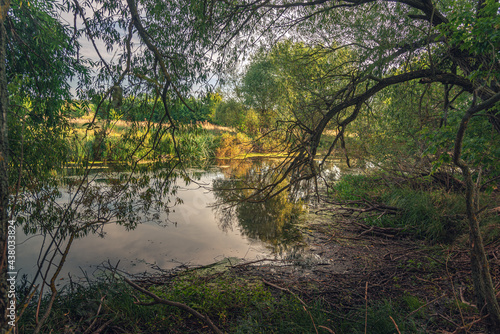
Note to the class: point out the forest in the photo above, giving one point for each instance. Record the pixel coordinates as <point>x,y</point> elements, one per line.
<point>354,143</point>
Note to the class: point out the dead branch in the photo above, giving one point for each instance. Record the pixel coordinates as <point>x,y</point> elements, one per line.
<point>425,305</point>
<point>285,290</point>
<point>395,324</point>
<point>389,232</point>
<point>100,329</point>
<point>362,206</point>
<point>298,298</point>
<point>96,317</point>
<point>158,300</point>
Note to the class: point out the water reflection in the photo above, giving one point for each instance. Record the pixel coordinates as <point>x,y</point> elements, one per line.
<point>184,231</point>
<point>192,226</point>
<point>274,221</point>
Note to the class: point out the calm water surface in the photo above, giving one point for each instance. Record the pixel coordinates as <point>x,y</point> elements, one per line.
<point>193,233</point>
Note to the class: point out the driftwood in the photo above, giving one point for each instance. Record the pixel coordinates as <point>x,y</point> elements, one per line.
<point>349,209</point>
<point>389,232</point>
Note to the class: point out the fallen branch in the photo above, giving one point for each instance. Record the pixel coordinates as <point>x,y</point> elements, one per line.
<point>158,300</point>
<point>467,327</point>
<point>381,231</point>
<point>366,206</point>
<point>423,306</point>
<point>96,316</point>
<point>395,324</point>
<point>286,290</point>
<point>298,298</point>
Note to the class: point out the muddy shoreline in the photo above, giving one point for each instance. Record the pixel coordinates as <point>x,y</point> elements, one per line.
<point>350,268</point>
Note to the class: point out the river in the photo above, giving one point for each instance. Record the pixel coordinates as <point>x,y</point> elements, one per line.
<point>195,231</point>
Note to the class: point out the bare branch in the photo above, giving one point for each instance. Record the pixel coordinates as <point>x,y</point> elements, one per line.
<point>158,300</point>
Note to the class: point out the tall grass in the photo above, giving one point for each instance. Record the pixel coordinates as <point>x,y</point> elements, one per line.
<point>432,214</point>
<point>125,144</point>
<point>235,304</point>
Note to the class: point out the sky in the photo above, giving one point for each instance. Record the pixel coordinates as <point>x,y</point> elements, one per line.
<point>88,51</point>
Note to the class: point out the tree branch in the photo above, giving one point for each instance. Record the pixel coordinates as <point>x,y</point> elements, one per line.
<point>158,300</point>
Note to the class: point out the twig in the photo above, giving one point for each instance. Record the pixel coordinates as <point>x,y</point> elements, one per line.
<point>100,329</point>
<point>421,307</point>
<point>184,307</point>
<point>460,289</point>
<point>252,262</point>
<point>298,298</point>
<point>328,329</point>
<point>310,316</point>
<point>284,289</point>
<point>97,314</point>
<point>366,307</point>
<point>468,326</point>
<point>395,324</point>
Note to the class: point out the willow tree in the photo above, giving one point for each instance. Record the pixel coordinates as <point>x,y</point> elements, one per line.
<point>453,43</point>
<point>39,53</point>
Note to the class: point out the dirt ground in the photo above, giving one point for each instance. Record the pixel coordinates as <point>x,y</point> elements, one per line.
<point>348,265</point>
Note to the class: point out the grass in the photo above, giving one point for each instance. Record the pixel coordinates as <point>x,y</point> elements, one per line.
<point>426,211</point>
<point>236,304</point>
<point>195,142</point>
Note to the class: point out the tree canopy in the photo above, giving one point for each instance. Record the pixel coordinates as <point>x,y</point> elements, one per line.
<point>386,70</point>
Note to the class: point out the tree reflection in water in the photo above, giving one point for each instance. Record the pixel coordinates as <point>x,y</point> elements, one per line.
<point>274,220</point>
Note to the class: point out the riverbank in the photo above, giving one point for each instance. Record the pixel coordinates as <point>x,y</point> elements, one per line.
<point>348,280</point>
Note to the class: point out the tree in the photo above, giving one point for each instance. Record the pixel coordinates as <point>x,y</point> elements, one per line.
<point>43,53</point>
<point>4,187</point>
<point>454,43</point>
<point>260,88</point>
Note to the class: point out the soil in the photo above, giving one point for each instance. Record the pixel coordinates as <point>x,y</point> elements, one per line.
<point>348,266</point>
<point>344,265</point>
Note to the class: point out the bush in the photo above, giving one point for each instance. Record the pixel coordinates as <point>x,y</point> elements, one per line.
<point>231,145</point>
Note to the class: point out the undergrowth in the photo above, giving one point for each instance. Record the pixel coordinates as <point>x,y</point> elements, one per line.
<point>425,211</point>
<point>235,304</point>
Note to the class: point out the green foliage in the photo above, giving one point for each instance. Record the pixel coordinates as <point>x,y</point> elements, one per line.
<point>40,60</point>
<point>227,297</point>
<point>432,214</point>
<point>232,303</point>
<point>230,113</point>
<point>201,110</point>
<point>235,304</point>
<point>355,187</point>
<point>28,141</point>
<point>260,86</point>
<point>251,123</point>
<point>477,33</point>
<point>125,141</point>
<point>195,143</point>
<point>379,319</point>
<point>282,85</point>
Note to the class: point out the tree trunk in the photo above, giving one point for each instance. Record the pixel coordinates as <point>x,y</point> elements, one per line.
<point>4,188</point>
<point>487,302</point>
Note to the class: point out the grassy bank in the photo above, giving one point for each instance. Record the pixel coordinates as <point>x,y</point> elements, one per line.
<point>123,141</point>
<point>236,303</point>
<point>418,208</point>
<point>410,275</point>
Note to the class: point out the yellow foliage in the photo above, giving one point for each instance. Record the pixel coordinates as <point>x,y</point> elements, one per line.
<point>232,145</point>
